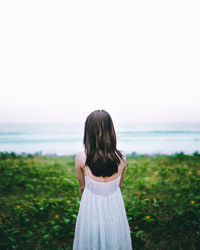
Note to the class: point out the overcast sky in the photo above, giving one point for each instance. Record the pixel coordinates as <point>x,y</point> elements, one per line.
<point>60,60</point>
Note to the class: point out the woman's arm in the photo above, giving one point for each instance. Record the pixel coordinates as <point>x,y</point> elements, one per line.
<point>79,163</point>
<point>123,172</point>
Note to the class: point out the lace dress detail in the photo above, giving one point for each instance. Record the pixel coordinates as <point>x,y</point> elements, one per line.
<point>102,222</point>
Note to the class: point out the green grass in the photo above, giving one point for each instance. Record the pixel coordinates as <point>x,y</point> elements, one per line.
<point>40,198</point>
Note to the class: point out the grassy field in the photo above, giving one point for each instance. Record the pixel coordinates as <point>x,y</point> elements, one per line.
<point>40,198</point>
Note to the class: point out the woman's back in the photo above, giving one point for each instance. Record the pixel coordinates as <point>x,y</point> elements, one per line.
<point>102,222</point>
<point>89,173</point>
<point>99,187</point>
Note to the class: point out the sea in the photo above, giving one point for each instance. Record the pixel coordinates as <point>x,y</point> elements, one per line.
<point>133,138</point>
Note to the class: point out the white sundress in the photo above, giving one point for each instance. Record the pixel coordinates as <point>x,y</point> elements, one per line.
<point>102,223</point>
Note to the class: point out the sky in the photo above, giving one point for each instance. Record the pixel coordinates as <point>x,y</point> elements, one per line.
<point>61,60</point>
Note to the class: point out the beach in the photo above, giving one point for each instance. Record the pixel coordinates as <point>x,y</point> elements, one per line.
<point>67,139</point>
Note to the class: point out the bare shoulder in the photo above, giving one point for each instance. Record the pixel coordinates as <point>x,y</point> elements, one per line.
<point>124,160</point>
<point>124,156</point>
<point>80,159</point>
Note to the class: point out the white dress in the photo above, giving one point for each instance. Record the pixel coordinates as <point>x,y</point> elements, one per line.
<point>102,223</point>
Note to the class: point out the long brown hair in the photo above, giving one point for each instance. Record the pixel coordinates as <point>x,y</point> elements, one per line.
<point>102,156</point>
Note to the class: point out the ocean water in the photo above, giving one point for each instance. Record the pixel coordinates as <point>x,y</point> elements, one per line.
<point>67,139</point>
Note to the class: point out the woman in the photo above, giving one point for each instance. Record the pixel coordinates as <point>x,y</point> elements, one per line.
<point>101,222</point>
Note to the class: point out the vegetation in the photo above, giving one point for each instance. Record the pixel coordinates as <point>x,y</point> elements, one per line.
<point>40,198</point>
